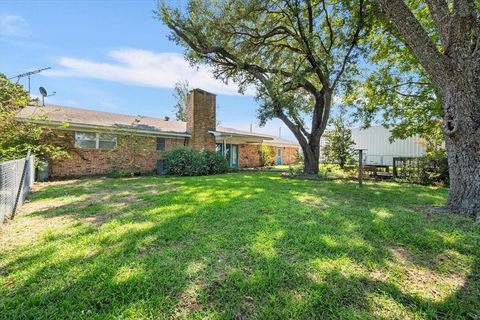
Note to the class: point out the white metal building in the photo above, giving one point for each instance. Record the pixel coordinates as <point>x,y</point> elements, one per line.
<point>379,150</point>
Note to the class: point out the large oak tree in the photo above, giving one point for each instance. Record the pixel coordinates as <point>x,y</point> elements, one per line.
<point>450,57</point>
<point>296,53</point>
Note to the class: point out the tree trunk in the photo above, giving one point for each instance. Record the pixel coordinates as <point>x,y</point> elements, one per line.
<point>311,157</point>
<point>461,104</point>
<point>456,76</point>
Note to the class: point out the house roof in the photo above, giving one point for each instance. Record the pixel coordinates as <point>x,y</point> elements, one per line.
<point>78,118</point>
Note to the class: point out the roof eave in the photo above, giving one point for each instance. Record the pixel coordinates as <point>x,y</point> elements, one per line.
<point>220,134</point>
<point>74,125</point>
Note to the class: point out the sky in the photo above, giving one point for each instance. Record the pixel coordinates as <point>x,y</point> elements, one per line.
<point>111,56</point>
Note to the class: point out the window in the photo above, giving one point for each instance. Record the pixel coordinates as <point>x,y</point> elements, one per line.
<point>231,153</point>
<point>234,161</point>
<point>160,144</point>
<point>91,140</point>
<point>86,140</point>
<point>106,141</point>
<point>219,148</point>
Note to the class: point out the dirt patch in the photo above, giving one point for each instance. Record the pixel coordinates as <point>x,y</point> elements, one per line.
<point>188,301</point>
<point>246,309</point>
<point>421,279</point>
<point>21,232</point>
<point>314,203</point>
<point>309,177</point>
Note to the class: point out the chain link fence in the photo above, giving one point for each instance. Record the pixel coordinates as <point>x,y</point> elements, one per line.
<point>15,184</point>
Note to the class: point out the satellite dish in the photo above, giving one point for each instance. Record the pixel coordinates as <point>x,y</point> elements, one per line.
<point>43,92</point>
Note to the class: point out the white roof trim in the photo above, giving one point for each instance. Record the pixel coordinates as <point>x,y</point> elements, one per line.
<point>239,135</point>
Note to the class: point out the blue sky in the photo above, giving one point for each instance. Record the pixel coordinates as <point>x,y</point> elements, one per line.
<point>111,56</point>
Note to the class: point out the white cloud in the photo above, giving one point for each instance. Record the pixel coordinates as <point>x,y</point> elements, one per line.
<point>13,25</point>
<point>145,68</point>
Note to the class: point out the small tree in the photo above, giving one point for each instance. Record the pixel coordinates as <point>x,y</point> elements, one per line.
<point>267,155</point>
<point>340,145</point>
<point>180,94</point>
<point>130,147</point>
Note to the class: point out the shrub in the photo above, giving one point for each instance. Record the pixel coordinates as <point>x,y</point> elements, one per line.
<point>185,162</point>
<point>216,163</point>
<point>433,168</point>
<point>267,155</point>
<point>295,170</point>
<point>118,173</point>
<point>430,169</point>
<point>188,162</point>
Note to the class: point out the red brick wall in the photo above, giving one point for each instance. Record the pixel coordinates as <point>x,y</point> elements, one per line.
<point>133,153</point>
<point>250,155</point>
<point>201,117</point>
<point>289,155</point>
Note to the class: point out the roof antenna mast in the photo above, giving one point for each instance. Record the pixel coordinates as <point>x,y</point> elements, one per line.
<point>28,74</point>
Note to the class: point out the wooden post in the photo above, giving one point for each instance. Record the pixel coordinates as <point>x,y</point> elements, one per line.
<point>360,167</point>
<point>395,173</point>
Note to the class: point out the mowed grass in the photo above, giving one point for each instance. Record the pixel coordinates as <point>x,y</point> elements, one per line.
<point>245,246</point>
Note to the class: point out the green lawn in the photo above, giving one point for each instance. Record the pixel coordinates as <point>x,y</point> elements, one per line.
<point>242,245</point>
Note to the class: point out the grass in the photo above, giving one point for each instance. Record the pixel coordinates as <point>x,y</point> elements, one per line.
<point>243,245</point>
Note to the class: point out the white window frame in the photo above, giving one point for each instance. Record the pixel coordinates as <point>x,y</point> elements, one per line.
<point>97,140</point>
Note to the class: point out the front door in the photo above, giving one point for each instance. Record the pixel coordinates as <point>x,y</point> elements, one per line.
<point>279,156</point>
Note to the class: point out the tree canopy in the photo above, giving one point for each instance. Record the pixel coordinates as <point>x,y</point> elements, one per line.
<point>16,138</point>
<point>296,53</point>
<point>180,92</point>
<point>394,88</point>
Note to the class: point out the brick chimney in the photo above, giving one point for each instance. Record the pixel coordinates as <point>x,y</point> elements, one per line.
<point>201,117</point>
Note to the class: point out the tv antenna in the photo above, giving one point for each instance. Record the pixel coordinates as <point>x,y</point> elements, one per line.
<point>44,94</point>
<point>28,74</point>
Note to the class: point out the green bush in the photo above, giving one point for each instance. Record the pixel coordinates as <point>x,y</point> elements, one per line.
<point>295,170</point>
<point>433,168</point>
<point>185,162</point>
<point>216,163</point>
<point>116,173</point>
<point>188,162</point>
<point>430,169</point>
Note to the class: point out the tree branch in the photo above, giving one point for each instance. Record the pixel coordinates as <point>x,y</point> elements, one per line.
<point>354,41</point>
<point>437,66</point>
<point>441,17</point>
<point>329,25</point>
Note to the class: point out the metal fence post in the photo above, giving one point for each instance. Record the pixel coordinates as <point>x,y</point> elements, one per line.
<point>20,185</point>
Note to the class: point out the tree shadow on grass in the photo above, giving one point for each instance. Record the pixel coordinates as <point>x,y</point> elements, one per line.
<point>239,246</point>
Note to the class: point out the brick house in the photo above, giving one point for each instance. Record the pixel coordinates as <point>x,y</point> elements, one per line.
<point>108,141</point>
